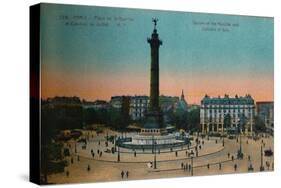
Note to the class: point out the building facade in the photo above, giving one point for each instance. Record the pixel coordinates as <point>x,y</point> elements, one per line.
<point>97,105</point>
<point>265,111</point>
<point>116,101</point>
<point>138,107</point>
<point>223,114</point>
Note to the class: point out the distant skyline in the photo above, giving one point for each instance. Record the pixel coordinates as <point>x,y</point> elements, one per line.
<point>97,62</point>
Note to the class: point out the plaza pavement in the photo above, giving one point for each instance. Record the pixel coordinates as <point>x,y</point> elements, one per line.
<point>106,167</point>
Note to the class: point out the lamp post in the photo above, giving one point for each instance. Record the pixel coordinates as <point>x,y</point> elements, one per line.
<point>115,143</point>
<point>191,166</point>
<point>118,155</point>
<point>154,150</point>
<point>240,153</point>
<point>222,135</point>
<point>261,167</point>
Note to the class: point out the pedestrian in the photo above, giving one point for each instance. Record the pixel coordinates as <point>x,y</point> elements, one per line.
<point>122,174</point>
<point>135,153</point>
<point>186,153</point>
<point>228,155</point>
<point>220,166</point>
<point>235,167</point>
<point>232,157</point>
<point>89,168</point>
<point>182,165</point>
<point>267,164</point>
<point>208,165</point>
<point>249,157</point>
<point>67,173</point>
<point>176,153</point>
<point>127,174</point>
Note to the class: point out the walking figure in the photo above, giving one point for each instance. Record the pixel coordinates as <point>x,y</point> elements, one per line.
<point>89,168</point>
<point>232,157</point>
<point>235,167</point>
<point>220,166</point>
<point>176,153</point>
<point>122,174</point>
<point>228,155</point>
<point>127,174</point>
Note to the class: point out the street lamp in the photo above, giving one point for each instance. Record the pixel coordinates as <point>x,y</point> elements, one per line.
<point>192,166</point>
<point>261,167</point>
<point>154,151</point>
<point>118,155</point>
<point>240,153</point>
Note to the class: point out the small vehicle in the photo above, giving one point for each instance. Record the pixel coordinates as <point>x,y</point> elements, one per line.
<point>84,146</point>
<point>231,137</point>
<point>107,151</point>
<point>268,152</point>
<point>251,168</point>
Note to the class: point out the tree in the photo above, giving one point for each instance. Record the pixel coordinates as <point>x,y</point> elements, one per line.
<point>51,152</point>
<point>227,121</point>
<point>193,118</point>
<point>259,125</point>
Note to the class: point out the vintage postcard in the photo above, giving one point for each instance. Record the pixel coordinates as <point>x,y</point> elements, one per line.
<point>126,94</point>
